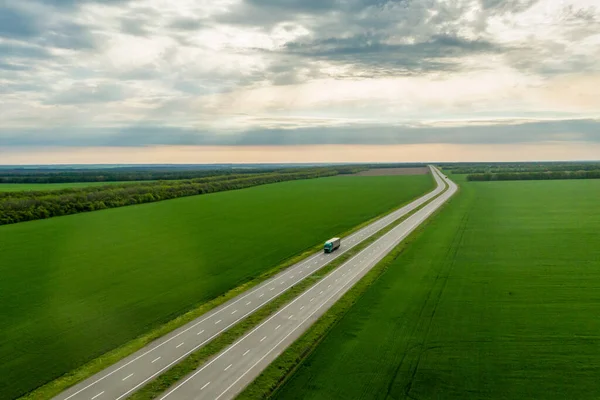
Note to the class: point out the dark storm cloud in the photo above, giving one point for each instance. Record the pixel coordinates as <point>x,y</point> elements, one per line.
<point>500,133</point>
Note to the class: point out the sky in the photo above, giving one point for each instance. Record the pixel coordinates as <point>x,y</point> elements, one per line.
<point>200,81</point>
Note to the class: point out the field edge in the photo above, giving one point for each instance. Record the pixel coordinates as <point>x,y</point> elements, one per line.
<point>100,363</point>
<point>283,368</point>
<point>160,384</point>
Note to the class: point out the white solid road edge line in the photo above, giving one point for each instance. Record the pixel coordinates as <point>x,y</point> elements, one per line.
<point>409,207</point>
<point>239,340</point>
<point>309,316</point>
<point>288,305</point>
<point>214,312</point>
<point>328,299</point>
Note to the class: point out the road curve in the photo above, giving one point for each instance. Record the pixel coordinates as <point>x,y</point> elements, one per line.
<point>228,373</point>
<point>128,375</point>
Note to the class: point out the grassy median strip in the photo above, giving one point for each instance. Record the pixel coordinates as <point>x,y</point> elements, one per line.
<point>276,374</point>
<point>56,386</point>
<point>198,358</point>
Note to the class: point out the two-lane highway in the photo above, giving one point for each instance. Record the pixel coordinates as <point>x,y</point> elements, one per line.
<point>228,373</point>
<point>131,373</point>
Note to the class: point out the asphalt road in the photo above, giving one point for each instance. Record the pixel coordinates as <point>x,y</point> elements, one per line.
<point>228,373</point>
<point>131,373</point>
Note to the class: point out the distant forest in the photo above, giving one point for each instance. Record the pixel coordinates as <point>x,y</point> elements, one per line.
<point>71,174</point>
<point>546,175</point>
<point>32,205</point>
<point>500,168</point>
<point>19,175</point>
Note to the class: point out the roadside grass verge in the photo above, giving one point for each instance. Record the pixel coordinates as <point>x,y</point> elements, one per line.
<point>195,360</point>
<point>497,299</point>
<point>96,365</point>
<point>64,382</point>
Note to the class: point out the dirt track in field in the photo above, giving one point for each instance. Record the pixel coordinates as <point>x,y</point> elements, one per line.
<point>394,171</point>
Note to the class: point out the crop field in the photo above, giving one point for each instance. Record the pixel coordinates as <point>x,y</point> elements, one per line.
<point>498,298</point>
<point>16,187</point>
<point>75,287</point>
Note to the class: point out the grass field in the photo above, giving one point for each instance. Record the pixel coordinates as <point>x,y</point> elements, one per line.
<point>75,287</point>
<point>497,299</point>
<point>16,187</point>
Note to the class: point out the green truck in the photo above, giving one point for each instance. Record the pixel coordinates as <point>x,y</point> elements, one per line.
<point>331,245</point>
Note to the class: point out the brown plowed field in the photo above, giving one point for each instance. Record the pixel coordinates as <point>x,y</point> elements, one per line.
<point>394,171</point>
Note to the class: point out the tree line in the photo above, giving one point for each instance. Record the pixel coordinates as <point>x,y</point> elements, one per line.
<point>509,167</point>
<point>17,175</point>
<point>148,173</point>
<point>32,205</point>
<point>546,175</point>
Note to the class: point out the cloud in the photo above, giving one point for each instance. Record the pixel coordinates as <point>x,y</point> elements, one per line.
<point>293,72</point>
<point>22,51</point>
<point>492,132</point>
<point>187,24</point>
<point>15,23</point>
<point>29,25</point>
<point>86,94</point>
<point>365,39</point>
<point>69,36</point>
<point>72,4</point>
<point>372,56</point>
<point>13,67</point>
<point>308,6</point>
<point>507,6</point>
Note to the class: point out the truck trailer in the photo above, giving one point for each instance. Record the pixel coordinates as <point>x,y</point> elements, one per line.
<point>331,245</point>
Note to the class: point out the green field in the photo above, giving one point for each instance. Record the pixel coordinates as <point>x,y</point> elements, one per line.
<point>16,187</point>
<point>75,287</point>
<point>498,298</point>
